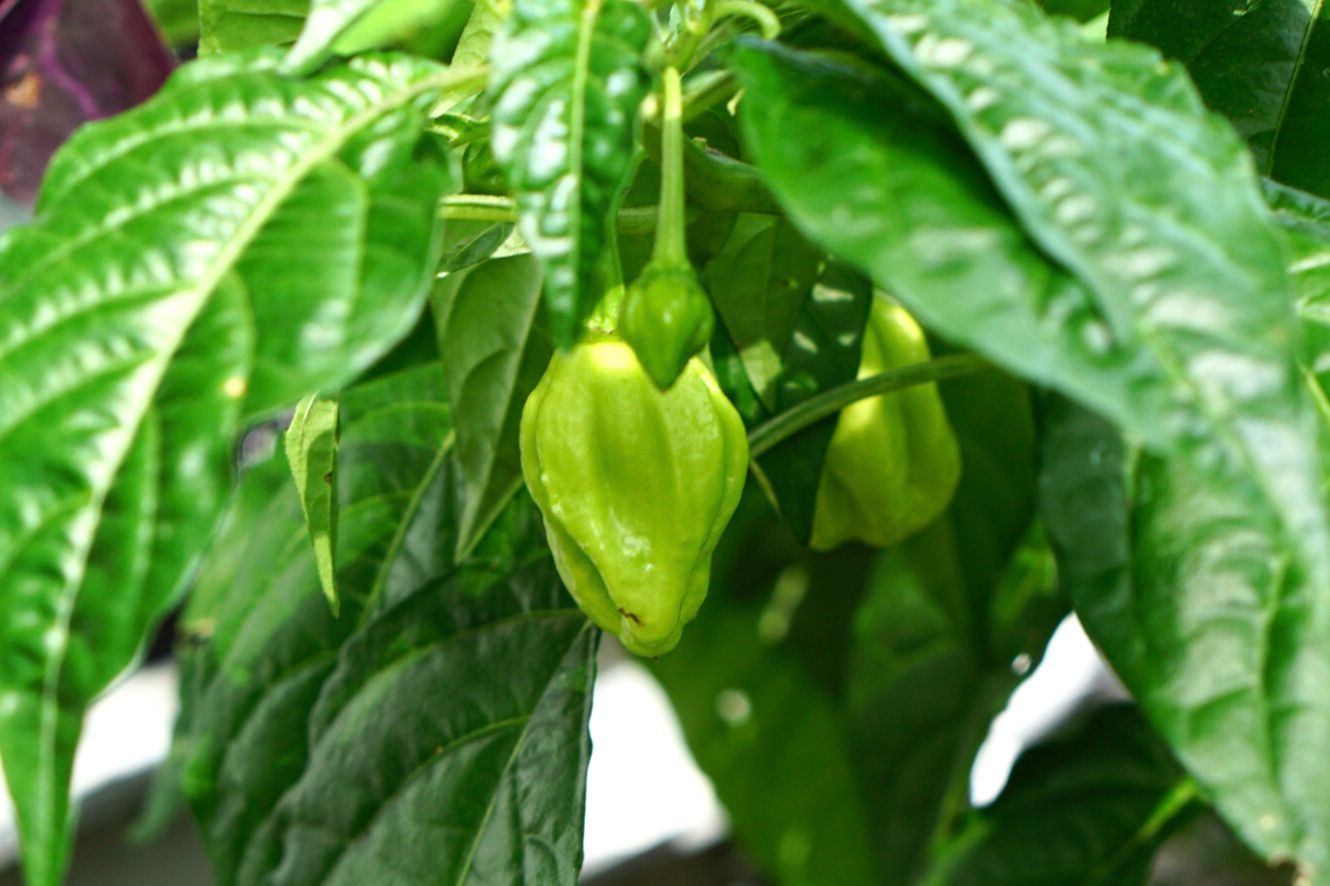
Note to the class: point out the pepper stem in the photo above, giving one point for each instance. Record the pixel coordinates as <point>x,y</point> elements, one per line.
<point>808,412</point>
<point>670,247</point>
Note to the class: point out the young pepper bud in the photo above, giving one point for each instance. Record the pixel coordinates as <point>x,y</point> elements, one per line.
<point>635,484</point>
<point>893,462</point>
<point>666,315</point>
<point>667,318</point>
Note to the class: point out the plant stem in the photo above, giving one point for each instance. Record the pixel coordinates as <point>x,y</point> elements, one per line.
<point>670,248</point>
<point>1181,800</point>
<point>503,210</point>
<point>815,408</point>
<point>766,20</point>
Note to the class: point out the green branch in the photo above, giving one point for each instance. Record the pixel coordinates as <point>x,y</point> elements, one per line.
<point>503,210</point>
<point>815,408</point>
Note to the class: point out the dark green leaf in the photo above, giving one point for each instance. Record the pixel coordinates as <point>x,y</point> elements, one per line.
<point>391,745</point>
<point>494,354</point>
<point>1081,10</point>
<point>773,742</point>
<point>1262,65</point>
<point>822,352</point>
<point>103,449</point>
<point>229,25</point>
<point>483,784</point>
<point>260,638</point>
<point>567,80</point>
<point>311,453</point>
<point>944,617</point>
<point>1088,808</point>
<point>759,282</point>
<point>1210,622</point>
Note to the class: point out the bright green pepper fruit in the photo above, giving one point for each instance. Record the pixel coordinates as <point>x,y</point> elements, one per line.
<point>636,486</point>
<point>667,318</point>
<point>893,462</point>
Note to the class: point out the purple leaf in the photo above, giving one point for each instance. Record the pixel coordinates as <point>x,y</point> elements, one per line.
<point>64,63</point>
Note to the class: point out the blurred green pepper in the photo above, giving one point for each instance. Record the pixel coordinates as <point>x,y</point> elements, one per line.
<point>635,484</point>
<point>893,462</point>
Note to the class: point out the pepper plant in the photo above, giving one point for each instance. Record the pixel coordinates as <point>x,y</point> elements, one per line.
<point>994,313</point>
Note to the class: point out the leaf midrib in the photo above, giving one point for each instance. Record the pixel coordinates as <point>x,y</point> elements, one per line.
<point>1313,18</point>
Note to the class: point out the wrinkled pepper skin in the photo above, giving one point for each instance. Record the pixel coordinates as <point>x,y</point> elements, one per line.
<point>635,485</point>
<point>893,462</point>
<point>666,316</point>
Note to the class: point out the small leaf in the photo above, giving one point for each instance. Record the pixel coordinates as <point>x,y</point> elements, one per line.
<point>1261,65</point>
<point>311,454</point>
<point>567,79</point>
<point>495,352</point>
<point>1304,221</point>
<point>351,26</point>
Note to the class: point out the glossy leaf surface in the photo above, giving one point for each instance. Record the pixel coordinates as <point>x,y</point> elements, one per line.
<point>903,200</point>
<point>136,227</point>
<point>1115,171</point>
<point>566,81</point>
<point>1214,628</point>
<point>798,335</point>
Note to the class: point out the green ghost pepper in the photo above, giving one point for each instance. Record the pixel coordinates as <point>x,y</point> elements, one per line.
<point>635,484</point>
<point>893,462</point>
